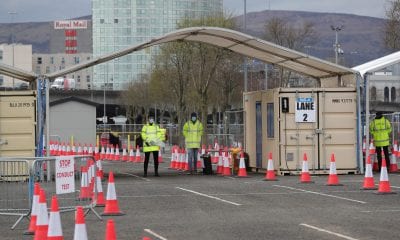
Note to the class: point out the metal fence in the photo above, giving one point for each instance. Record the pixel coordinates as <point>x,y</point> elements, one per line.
<point>394,119</point>
<point>225,134</point>
<point>18,176</point>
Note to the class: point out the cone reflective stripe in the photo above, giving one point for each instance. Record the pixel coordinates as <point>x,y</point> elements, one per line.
<point>85,191</point>
<point>242,166</point>
<point>124,154</point>
<point>110,230</point>
<point>34,210</point>
<point>333,179</point>
<point>107,157</point>
<point>364,146</point>
<point>173,155</point>
<point>80,232</point>
<point>100,167</point>
<point>160,157</point>
<point>270,174</point>
<point>103,153</point>
<point>371,147</point>
<point>393,159</point>
<point>138,157</point>
<point>112,208</point>
<point>384,185</point>
<point>185,166</point>
<point>80,150</point>
<point>227,169</point>
<point>85,149</point>
<point>100,201</point>
<point>199,162</point>
<point>305,174</point>
<point>369,183</point>
<point>116,154</point>
<point>55,231</point>
<point>42,222</point>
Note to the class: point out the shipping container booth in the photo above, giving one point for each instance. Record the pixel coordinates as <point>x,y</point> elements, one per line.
<point>292,122</point>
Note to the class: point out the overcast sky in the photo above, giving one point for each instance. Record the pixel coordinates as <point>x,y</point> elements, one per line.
<point>47,10</point>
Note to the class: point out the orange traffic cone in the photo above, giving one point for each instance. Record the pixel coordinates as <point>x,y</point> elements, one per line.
<point>369,183</point>
<point>160,157</point>
<point>55,231</point>
<point>110,230</point>
<point>116,154</point>
<point>305,174</point>
<point>384,185</point>
<point>220,166</point>
<point>242,166</point>
<point>227,169</point>
<point>333,179</point>
<point>42,223</point>
<point>100,202</point>
<point>112,208</point>
<point>173,157</point>
<point>131,154</point>
<point>124,154</point>
<point>34,210</point>
<point>364,145</point>
<point>138,157</point>
<point>85,189</point>
<point>102,153</point>
<point>100,167</point>
<point>146,238</point>
<point>270,174</point>
<point>393,159</point>
<point>80,232</point>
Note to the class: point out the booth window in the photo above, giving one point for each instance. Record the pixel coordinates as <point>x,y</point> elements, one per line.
<point>270,120</point>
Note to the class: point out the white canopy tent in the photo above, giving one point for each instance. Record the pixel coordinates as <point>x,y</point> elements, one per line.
<point>231,40</point>
<point>366,70</point>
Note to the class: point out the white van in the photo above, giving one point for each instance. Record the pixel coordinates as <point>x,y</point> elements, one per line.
<point>63,83</point>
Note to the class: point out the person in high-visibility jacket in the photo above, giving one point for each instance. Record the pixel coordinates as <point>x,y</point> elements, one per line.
<point>151,144</point>
<point>192,131</point>
<point>380,129</point>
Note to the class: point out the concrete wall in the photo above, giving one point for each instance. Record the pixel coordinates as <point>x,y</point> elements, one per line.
<point>73,119</point>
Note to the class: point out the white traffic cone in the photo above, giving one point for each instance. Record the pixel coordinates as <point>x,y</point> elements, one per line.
<point>80,232</point>
<point>42,223</point>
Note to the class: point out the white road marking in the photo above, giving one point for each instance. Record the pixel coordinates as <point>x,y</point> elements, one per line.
<point>387,210</point>
<point>205,195</point>
<point>136,176</point>
<point>326,231</point>
<point>155,234</point>
<point>321,194</point>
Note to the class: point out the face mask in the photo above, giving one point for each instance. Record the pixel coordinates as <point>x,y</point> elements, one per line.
<point>194,119</point>
<point>151,121</point>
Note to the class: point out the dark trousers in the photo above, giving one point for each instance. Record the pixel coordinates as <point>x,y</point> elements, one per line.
<point>146,161</point>
<point>379,156</point>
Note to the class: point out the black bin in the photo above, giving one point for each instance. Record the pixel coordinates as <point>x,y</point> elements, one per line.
<point>207,170</point>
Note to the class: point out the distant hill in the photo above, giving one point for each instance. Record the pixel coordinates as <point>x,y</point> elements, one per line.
<point>361,37</point>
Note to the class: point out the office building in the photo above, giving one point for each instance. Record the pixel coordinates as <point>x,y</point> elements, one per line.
<point>118,24</point>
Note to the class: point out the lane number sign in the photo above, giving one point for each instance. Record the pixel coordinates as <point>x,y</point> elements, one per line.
<point>305,110</point>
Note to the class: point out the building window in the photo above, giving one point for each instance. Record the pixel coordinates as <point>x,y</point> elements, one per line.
<point>102,20</point>
<point>51,60</point>
<point>62,60</point>
<point>373,94</point>
<point>270,120</point>
<point>393,94</point>
<point>1,55</point>
<point>79,78</point>
<point>39,60</point>
<point>88,78</point>
<point>115,20</point>
<point>1,80</point>
<point>386,94</point>
<point>47,69</point>
<point>38,70</point>
<point>76,60</point>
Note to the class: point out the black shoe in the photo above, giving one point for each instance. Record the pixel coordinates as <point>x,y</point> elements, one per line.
<point>145,175</point>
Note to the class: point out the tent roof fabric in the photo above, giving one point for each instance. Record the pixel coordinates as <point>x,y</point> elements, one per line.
<point>378,64</point>
<point>234,41</point>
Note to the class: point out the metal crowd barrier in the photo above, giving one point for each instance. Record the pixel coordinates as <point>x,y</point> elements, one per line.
<point>18,176</point>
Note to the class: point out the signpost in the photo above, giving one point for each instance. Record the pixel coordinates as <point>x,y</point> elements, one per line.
<point>305,110</point>
<point>65,175</point>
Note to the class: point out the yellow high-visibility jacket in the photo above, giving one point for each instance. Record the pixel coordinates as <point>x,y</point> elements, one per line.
<point>380,129</point>
<point>151,136</point>
<point>192,133</point>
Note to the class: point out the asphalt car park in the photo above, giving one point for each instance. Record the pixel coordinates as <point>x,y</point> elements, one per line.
<point>180,206</point>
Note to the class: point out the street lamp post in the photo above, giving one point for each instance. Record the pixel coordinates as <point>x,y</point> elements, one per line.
<point>336,45</point>
<point>245,58</point>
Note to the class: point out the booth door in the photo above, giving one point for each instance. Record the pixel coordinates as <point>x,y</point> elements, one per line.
<point>316,125</point>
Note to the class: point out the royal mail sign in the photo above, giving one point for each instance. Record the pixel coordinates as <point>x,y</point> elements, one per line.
<point>70,24</point>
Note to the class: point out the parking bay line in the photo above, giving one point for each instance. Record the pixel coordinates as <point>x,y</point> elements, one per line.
<point>326,231</point>
<point>205,195</point>
<point>321,194</point>
<point>154,234</point>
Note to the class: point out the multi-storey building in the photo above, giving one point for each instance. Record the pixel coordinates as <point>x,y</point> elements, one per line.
<point>17,55</point>
<point>48,63</point>
<point>118,24</point>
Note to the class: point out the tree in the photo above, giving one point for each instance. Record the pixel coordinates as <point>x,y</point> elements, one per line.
<point>391,36</point>
<point>295,37</point>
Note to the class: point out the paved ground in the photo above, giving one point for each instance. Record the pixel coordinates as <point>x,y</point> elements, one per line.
<point>179,207</point>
